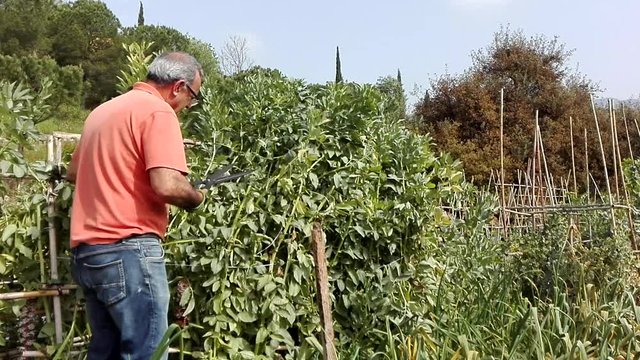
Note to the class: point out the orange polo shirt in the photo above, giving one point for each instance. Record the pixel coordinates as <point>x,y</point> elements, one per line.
<point>121,140</point>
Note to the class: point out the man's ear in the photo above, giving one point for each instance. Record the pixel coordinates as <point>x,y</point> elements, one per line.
<point>177,87</point>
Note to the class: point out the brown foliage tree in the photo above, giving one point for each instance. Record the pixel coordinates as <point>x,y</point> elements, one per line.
<point>462,112</point>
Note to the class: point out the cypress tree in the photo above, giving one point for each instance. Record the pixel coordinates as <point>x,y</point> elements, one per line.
<point>338,66</point>
<point>399,77</point>
<point>141,15</point>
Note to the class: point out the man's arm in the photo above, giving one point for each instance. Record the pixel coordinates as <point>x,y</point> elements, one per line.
<point>173,188</point>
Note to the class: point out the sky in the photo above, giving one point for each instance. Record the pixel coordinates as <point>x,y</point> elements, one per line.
<point>424,39</point>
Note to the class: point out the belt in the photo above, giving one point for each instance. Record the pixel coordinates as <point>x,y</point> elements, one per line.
<point>135,236</point>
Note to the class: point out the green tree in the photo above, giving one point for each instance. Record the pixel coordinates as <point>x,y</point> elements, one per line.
<point>165,38</point>
<point>141,15</point>
<point>463,112</point>
<point>338,66</point>
<point>205,53</point>
<point>393,95</point>
<point>66,84</point>
<point>85,33</point>
<point>20,32</point>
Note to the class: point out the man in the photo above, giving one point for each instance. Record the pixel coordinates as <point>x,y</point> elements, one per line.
<point>129,164</point>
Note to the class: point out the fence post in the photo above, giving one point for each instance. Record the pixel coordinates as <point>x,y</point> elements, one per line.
<point>322,286</point>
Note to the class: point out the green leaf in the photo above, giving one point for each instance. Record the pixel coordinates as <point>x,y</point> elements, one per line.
<point>24,250</point>
<point>190,307</point>
<point>226,232</point>
<point>245,317</point>
<point>359,229</point>
<point>263,281</point>
<point>283,336</point>
<point>186,295</point>
<point>48,329</point>
<point>269,287</point>
<point>8,231</point>
<point>297,274</point>
<point>314,180</point>
<point>18,171</point>
<point>4,166</point>
<point>66,193</point>
<point>314,342</point>
<point>246,354</point>
<point>262,335</point>
<point>337,180</point>
<point>216,266</point>
<point>294,289</point>
<point>217,304</point>
<point>249,208</point>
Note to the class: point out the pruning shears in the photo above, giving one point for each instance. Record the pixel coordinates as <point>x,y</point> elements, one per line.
<point>218,177</point>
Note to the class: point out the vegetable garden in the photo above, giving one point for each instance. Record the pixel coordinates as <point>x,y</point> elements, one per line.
<point>415,269</point>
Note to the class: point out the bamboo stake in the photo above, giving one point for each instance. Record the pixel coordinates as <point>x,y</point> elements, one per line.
<point>63,290</point>
<point>586,163</point>
<point>533,172</point>
<point>570,208</point>
<point>544,161</point>
<point>541,188</point>
<point>597,194</point>
<point>504,213</point>
<point>626,127</point>
<point>573,156</point>
<point>53,252</point>
<point>617,144</point>
<point>613,147</point>
<point>604,164</point>
<point>632,230</point>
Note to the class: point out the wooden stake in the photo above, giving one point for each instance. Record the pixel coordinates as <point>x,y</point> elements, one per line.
<point>534,201</point>
<point>613,147</point>
<point>586,163</point>
<point>573,156</point>
<point>63,290</point>
<point>549,180</point>
<point>637,128</point>
<point>626,127</point>
<point>504,205</point>
<point>604,164</point>
<point>322,286</point>
<point>632,229</point>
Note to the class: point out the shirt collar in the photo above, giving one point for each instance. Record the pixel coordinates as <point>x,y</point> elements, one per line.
<point>142,86</point>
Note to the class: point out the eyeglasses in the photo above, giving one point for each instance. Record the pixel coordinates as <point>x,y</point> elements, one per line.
<point>195,98</point>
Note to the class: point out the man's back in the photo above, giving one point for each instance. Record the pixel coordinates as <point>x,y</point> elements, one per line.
<point>121,140</point>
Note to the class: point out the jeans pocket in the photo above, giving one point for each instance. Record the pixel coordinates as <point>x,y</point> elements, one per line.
<point>153,252</point>
<point>107,280</point>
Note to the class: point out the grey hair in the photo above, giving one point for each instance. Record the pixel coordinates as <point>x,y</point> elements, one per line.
<point>174,66</point>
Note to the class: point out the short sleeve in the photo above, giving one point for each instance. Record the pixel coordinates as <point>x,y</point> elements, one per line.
<point>162,143</point>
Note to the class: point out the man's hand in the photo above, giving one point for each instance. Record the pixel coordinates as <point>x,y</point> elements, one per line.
<point>72,172</point>
<point>174,188</point>
<point>56,173</point>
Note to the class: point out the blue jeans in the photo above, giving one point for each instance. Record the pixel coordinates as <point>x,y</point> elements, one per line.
<point>127,296</point>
